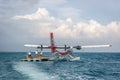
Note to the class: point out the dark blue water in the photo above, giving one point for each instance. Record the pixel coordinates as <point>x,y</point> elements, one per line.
<point>92,66</point>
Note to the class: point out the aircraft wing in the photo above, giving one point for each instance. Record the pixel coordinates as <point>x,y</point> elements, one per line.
<point>95,46</point>
<point>63,47</point>
<point>36,46</point>
<point>44,46</point>
<point>67,47</point>
<point>91,46</point>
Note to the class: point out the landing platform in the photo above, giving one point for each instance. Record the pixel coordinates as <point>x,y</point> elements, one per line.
<point>36,59</point>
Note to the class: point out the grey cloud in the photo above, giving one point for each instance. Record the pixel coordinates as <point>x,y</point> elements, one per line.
<point>12,7</point>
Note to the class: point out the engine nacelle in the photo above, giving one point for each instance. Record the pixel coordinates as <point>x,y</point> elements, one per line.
<point>77,47</point>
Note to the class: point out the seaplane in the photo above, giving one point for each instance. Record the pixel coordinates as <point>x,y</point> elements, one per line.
<point>56,55</point>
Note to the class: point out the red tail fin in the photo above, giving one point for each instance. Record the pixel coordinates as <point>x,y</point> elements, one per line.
<point>53,48</point>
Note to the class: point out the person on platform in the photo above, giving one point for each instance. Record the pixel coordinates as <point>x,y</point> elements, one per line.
<point>29,56</point>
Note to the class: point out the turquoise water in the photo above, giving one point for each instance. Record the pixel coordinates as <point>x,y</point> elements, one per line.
<point>92,66</point>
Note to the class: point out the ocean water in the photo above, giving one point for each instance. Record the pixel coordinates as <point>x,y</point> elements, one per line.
<point>92,66</point>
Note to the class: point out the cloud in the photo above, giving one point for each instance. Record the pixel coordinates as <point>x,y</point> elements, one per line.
<point>51,2</point>
<point>69,12</point>
<point>35,30</point>
<point>68,28</point>
<point>40,14</point>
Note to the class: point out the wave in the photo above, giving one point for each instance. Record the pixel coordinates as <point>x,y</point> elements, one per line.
<point>33,72</point>
<point>112,62</point>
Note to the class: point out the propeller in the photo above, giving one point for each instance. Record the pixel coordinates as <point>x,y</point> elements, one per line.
<point>41,47</point>
<point>65,47</point>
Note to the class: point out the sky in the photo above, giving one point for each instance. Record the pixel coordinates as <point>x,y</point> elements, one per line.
<point>73,22</point>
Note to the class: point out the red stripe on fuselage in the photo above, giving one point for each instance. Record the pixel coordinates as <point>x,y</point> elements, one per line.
<point>53,47</point>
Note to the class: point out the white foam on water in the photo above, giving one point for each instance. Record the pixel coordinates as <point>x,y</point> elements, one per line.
<point>31,70</point>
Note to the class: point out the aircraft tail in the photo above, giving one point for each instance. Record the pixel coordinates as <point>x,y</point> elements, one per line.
<point>53,47</point>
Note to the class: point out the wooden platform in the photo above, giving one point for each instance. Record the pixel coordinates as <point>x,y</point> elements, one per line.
<point>35,59</point>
